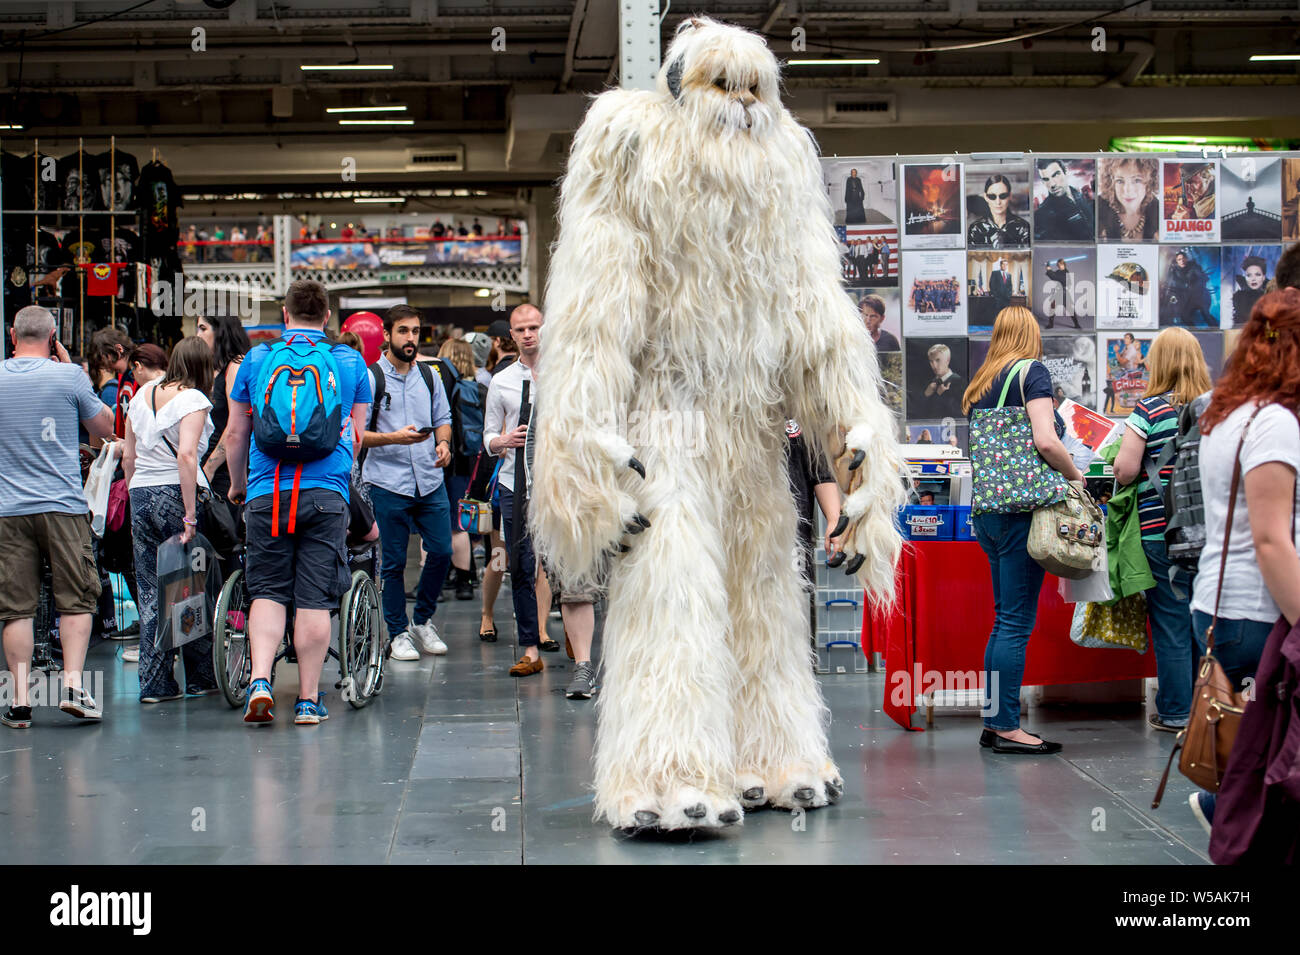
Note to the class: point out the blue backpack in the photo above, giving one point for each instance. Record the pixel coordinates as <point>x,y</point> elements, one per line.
<point>297,410</point>
<point>468,409</point>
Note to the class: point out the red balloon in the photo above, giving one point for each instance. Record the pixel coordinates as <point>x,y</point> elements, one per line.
<point>369,327</point>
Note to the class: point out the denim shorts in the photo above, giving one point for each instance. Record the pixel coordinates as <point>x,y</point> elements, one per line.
<point>308,568</point>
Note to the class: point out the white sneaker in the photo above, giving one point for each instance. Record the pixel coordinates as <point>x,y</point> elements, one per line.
<point>402,648</point>
<point>429,639</point>
<point>131,655</point>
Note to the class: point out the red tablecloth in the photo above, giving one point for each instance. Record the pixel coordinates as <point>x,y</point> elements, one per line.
<point>942,621</point>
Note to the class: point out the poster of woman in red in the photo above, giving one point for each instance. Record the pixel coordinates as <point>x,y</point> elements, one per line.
<point>1189,201</point>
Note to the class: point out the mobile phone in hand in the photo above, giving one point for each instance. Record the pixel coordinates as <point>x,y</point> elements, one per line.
<point>428,430</point>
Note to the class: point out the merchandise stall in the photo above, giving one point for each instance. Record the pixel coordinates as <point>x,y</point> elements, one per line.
<point>1105,249</point>
<point>932,640</point>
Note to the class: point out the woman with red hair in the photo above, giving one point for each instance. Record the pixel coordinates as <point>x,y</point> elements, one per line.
<point>1252,415</point>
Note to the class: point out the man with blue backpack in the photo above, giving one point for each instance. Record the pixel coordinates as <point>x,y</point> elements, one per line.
<point>303,400</point>
<point>403,469</point>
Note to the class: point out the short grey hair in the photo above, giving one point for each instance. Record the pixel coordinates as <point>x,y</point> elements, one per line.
<point>33,324</point>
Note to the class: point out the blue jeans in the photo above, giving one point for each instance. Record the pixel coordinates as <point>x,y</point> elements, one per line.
<point>156,514</point>
<point>1171,638</point>
<point>523,574</point>
<point>1017,579</point>
<point>398,516</point>
<point>1238,645</point>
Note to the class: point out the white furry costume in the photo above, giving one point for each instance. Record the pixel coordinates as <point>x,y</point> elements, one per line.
<point>696,275</point>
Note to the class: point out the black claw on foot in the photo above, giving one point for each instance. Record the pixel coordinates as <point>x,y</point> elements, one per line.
<point>695,812</point>
<point>636,466</point>
<point>753,794</point>
<point>804,795</point>
<point>842,523</point>
<point>858,458</point>
<point>641,519</point>
<point>632,527</point>
<point>644,817</point>
<point>852,567</point>
<point>623,548</point>
<point>729,816</point>
<point>834,789</point>
<point>836,560</point>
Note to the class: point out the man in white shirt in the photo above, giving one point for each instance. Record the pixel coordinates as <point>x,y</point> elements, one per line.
<point>503,436</point>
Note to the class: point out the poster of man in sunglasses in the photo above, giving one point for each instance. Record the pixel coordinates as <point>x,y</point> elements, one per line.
<point>997,203</point>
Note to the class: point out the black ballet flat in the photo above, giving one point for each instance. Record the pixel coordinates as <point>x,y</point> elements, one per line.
<point>1012,748</point>
<point>986,738</point>
<point>549,646</point>
<point>488,636</point>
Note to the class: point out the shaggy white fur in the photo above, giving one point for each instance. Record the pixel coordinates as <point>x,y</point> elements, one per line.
<point>696,274</point>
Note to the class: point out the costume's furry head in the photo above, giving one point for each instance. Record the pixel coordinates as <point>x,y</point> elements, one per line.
<point>722,76</point>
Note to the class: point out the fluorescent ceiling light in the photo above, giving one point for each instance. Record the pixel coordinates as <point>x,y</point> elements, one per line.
<point>376,122</point>
<point>11,126</point>
<point>380,199</point>
<point>859,62</point>
<point>482,293</point>
<point>366,109</point>
<point>1267,57</point>
<point>319,67</point>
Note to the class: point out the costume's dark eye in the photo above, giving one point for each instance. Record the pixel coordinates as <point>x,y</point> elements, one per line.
<point>753,91</point>
<point>721,84</point>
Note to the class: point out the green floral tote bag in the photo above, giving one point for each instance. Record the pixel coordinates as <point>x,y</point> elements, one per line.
<point>1009,475</point>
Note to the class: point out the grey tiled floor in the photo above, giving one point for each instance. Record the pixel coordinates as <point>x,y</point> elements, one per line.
<point>458,763</point>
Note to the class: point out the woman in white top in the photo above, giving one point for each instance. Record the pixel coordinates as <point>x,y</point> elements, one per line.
<point>1260,394</point>
<point>167,430</point>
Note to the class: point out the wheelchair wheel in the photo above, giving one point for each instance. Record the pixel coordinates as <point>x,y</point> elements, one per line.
<point>232,657</point>
<point>361,641</point>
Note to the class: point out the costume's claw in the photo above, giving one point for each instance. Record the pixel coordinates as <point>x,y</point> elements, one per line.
<point>834,789</point>
<point>729,817</point>
<point>695,812</point>
<point>842,523</point>
<point>804,795</point>
<point>632,527</point>
<point>753,794</point>
<point>623,548</point>
<point>852,567</point>
<point>858,458</point>
<point>836,560</point>
<point>636,466</point>
<point>644,817</point>
<point>641,519</point>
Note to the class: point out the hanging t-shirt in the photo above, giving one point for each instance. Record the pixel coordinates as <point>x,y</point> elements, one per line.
<point>18,174</point>
<point>47,192</point>
<point>158,197</point>
<point>116,173</point>
<point>78,182</point>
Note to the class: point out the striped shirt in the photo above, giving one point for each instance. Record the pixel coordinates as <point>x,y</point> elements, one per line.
<point>41,404</point>
<point>1156,420</point>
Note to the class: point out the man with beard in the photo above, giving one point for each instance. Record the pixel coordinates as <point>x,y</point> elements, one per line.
<point>1065,215</point>
<point>403,470</point>
<point>1185,298</point>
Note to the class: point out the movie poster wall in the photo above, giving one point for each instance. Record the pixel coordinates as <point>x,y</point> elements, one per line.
<point>1104,250</point>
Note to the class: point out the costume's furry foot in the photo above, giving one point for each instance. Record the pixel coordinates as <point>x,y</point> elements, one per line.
<point>684,808</point>
<point>753,793</point>
<point>807,788</point>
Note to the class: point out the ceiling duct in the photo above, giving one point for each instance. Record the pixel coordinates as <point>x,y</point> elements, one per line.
<point>860,109</point>
<point>442,159</point>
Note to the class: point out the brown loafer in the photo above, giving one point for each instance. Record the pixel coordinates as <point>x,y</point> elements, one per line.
<point>527,667</point>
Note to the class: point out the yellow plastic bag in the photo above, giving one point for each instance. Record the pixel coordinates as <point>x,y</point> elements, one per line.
<point>1121,625</point>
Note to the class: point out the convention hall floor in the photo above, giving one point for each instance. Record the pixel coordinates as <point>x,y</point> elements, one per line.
<point>458,763</point>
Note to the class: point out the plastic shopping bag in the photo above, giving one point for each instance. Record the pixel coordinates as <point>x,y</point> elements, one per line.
<point>189,582</point>
<point>1095,588</point>
<point>98,484</point>
<point>1121,625</point>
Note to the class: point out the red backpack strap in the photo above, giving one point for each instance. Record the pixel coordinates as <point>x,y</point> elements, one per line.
<point>275,503</point>
<point>293,500</point>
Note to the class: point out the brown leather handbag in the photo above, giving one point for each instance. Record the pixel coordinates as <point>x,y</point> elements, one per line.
<point>1206,742</point>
